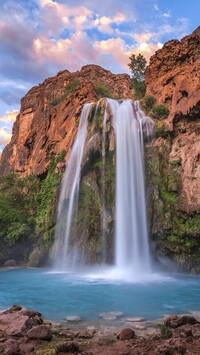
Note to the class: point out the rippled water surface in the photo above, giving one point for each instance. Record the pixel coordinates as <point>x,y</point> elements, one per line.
<point>57,295</point>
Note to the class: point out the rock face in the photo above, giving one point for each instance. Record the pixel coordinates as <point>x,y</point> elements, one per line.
<point>173,161</point>
<point>49,116</point>
<point>173,77</point>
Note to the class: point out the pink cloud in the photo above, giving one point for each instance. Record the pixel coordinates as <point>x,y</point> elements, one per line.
<point>10,116</point>
<point>4,137</point>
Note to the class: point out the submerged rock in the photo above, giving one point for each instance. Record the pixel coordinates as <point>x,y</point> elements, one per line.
<point>73,318</point>
<point>110,315</point>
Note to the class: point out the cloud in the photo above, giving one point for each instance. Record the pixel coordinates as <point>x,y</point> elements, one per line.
<point>4,137</point>
<point>10,116</point>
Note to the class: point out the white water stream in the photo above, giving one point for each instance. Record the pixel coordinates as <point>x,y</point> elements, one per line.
<point>132,255</point>
<point>69,194</point>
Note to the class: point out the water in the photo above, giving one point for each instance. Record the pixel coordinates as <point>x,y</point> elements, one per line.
<point>132,255</point>
<point>132,248</point>
<point>57,295</point>
<point>69,195</point>
<point>104,212</point>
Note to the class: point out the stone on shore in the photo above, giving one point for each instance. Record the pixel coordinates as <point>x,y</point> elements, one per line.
<point>10,263</point>
<point>174,321</point>
<point>42,332</point>
<point>67,347</point>
<point>126,334</point>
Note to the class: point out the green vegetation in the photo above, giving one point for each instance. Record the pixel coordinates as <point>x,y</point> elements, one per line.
<point>148,102</point>
<point>17,207</point>
<point>177,233</point>
<point>165,331</point>
<point>27,209</point>
<point>102,90</point>
<point>68,89</point>
<point>160,111</point>
<point>137,66</point>
<point>46,201</point>
<point>139,88</point>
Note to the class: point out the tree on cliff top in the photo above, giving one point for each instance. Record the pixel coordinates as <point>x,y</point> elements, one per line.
<point>137,65</point>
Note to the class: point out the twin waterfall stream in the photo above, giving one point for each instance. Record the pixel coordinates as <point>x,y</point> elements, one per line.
<point>131,128</point>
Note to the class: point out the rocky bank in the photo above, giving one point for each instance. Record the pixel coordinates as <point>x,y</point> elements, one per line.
<point>24,332</point>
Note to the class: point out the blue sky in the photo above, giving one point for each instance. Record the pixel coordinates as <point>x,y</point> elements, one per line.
<point>38,38</point>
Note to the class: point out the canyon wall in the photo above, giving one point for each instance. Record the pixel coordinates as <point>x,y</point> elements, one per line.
<point>173,164</point>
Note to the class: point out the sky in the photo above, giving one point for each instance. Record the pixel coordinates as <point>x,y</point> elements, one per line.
<point>38,38</point>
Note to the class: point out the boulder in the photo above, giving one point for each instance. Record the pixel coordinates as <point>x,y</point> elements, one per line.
<point>11,347</point>
<point>10,263</point>
<point>41,332</point>
<point>174,321</point>
<point>67,347</point>
<point>126,334</point>
<point>16,321</point>
<point>15,324</point>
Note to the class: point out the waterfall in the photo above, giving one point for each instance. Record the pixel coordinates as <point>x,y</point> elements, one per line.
<point>132,253</point>
<point>104,212</point>
<point>69,195</point>
<point>131,127</point>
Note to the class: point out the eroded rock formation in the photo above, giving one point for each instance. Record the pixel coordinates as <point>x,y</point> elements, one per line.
<point>173,164</point>
<point>173,77</point>
<point>49,116</point>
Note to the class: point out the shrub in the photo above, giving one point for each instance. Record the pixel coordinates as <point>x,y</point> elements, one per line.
<point>148,102</point>
<point>139,88</point>
<point>102,90</point>
<point>68,89</point>
<point>71,86</point>
<point>165,331</point>
<point>160,111</point>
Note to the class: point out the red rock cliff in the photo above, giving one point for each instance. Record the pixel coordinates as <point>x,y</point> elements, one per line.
<point>42,129</point>
<point>173,77</point>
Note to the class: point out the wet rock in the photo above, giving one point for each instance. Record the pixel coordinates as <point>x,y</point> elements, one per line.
<point>110,315</point>
<point>135,319</point>
<point>174,321</point>
<point>126,334</point>
<point>15,308</point>
<point>10,263</point>
<point>67,347</point>
<point>41,332</point>
<point>73,318</point>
